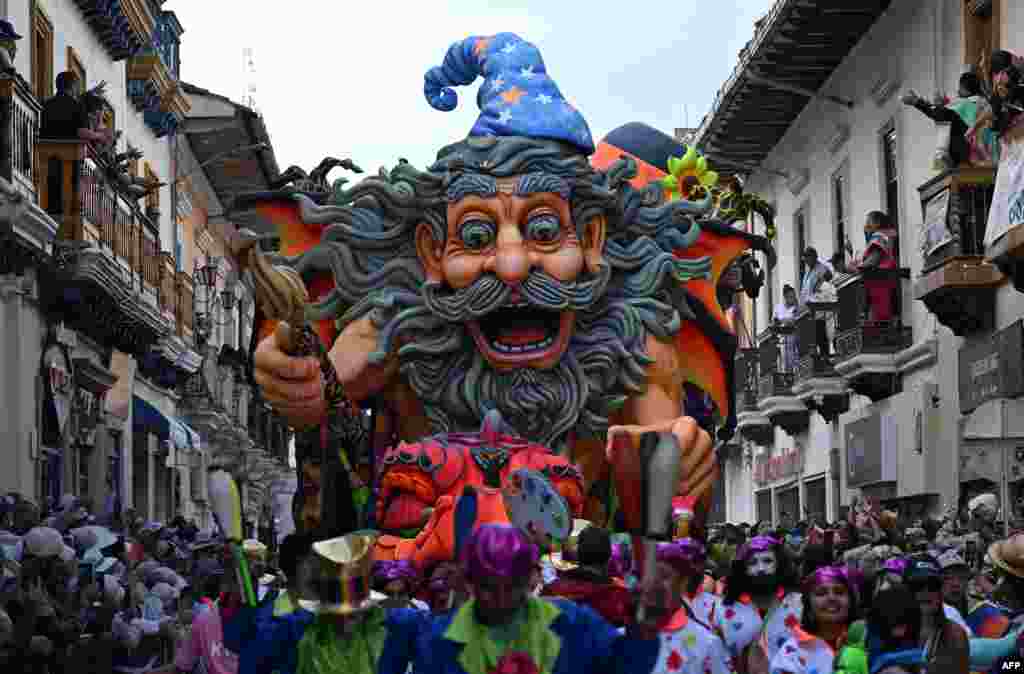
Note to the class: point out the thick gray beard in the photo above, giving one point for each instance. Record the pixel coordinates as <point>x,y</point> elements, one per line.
<point>458,388</point>
<point>603,365</point>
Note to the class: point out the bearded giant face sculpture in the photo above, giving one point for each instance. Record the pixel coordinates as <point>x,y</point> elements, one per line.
<point>513,275</point>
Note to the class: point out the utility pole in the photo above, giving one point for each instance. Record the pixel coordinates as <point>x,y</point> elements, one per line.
<point>249,77</point>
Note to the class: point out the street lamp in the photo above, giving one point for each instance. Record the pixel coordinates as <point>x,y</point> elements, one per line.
<point>211,306</point>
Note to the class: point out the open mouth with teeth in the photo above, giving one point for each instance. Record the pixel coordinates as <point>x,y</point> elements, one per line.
<point>518,334</point>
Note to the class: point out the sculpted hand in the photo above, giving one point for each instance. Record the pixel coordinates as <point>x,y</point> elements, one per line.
<point>698,468</point>
<point>293,386</point>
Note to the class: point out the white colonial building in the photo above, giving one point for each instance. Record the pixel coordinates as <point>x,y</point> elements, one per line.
<point>911,410</point>
<point>116,312</point>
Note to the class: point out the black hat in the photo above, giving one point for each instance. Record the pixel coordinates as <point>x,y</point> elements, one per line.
<point>7,31</point>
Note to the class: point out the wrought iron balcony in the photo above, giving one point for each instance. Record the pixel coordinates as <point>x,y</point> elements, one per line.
<point>957,284</point>
<point>19,125</point>
<point>816,381</point>
<point>750,422</point>
<point>870,330</point>
<point>746,380</point>
<point>777,361</point>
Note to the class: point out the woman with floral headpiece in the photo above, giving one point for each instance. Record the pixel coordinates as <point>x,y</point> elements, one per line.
<point>829,608</point>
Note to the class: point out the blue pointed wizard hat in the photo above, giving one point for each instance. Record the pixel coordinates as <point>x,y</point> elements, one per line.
<point>518,96</point>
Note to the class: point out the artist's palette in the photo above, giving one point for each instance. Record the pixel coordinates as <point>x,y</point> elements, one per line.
<point>534,505</point>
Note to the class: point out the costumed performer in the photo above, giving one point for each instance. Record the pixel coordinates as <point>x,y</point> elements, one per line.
<point>587,580</point>
<point>352,632</point>
<point>687,643</point>
<point>830,606</point>
<point>505,629</point>
<point>687,557</point>
<point>760,607</point>
<point>397,580</point>
<point>266,637</point>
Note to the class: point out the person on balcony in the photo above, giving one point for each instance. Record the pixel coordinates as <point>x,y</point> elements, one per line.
<point>970,140</point>
<point>816,278</point>
<point>880,254</point>
<point>65,117</point>
<point>8,47</point>
<point>817,273</point>
<point>785,314</point>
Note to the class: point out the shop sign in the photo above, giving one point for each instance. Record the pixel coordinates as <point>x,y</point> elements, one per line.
<point>59,383</point>
<point>992,368</point>
<point>787,464</point>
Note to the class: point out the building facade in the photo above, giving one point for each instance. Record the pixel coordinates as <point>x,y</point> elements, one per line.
<point>848,399</point>
<point>108,351</point>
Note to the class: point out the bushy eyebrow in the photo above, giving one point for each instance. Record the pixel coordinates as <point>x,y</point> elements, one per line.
<point>537,183</point>
<point>472,184</point>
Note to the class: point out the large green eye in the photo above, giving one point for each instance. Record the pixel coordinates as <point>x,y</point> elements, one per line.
<point>477,234</point>
<point>544,228</point>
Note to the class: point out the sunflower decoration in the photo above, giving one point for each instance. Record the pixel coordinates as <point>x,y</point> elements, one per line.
<point>689,177</point>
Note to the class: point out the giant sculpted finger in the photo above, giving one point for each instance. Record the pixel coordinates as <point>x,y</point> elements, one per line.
<point>698,465</point>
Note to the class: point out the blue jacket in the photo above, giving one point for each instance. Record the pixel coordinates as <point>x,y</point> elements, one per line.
<point>590,645</point>
<point>264,642</point>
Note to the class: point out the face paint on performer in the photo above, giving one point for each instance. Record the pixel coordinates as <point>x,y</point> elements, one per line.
<point>762,564</point>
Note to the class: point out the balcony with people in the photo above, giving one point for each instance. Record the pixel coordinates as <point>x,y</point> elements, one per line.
<point>110,274</point>
<point>957,284</point>
<point>1004,230</point>
<point>777,360</point>
<point>813,323</point>
<point>751,424</point>
<point>870,330</point>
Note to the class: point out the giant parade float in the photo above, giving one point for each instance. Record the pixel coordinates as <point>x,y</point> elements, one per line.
<point>524,331</point>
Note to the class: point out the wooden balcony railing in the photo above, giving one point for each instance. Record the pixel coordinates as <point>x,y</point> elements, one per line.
<point>746,380</point>
<point>19,125</point>
<point>73,188</point>
<point>775,364</point>
<point>113,221</point>
<point>186,293</point>
<point>168,294</point>
<point>812,344</point>
<point>955,208</point>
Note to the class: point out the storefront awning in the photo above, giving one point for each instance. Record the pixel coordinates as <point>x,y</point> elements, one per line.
<point>146,417</point>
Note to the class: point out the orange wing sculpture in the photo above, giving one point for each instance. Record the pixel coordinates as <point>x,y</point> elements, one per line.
<point>708,342</point>
<point>277,214</point>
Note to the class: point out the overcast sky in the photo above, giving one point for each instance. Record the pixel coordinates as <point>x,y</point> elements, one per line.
<point>346,78</point>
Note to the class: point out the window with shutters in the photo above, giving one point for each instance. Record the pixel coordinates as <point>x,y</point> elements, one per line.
<point>840,199</point>
<point>800,240</point>
<point>891,174</point>
<point>42,54</point>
